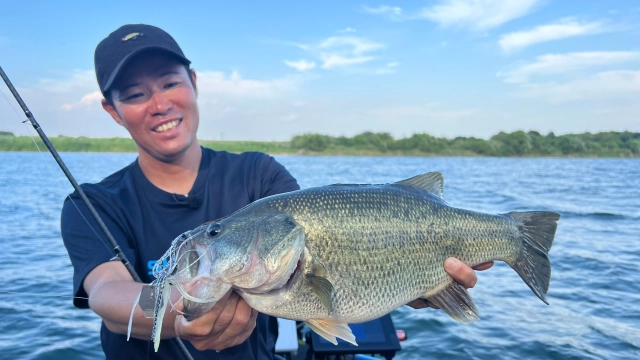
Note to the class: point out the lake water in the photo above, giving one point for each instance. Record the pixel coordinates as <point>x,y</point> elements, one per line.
<point>595,285</point>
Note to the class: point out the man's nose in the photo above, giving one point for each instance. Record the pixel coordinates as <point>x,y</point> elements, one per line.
<point>160,103</point>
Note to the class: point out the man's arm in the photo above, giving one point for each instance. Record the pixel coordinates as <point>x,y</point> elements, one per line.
<point>112,292</point>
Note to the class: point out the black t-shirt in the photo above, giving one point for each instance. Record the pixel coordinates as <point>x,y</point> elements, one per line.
<point>145,219</point>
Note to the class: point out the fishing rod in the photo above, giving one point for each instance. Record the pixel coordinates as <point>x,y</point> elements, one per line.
<point>119,254</point>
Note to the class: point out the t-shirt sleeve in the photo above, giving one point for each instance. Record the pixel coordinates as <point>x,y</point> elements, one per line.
<point>86,244</point>
<point>275,178</point>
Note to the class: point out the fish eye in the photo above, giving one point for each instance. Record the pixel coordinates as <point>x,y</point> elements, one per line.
<point>214,229</point>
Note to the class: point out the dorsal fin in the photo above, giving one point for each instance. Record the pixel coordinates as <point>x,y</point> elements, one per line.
<point>432,182</point>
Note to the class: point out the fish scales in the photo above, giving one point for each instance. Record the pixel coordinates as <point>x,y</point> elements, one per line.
<point>404,253</point>
<point>342,254</point>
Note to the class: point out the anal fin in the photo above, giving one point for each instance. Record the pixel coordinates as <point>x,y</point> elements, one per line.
<point>456,301</point>
<point>330,329</point>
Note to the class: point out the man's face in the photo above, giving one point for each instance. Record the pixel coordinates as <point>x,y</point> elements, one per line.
<point>154,99</point>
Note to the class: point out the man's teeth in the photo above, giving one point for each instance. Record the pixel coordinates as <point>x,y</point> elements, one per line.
<point>167,126</point>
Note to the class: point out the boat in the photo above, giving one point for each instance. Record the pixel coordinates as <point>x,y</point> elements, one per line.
<point>376,337</point>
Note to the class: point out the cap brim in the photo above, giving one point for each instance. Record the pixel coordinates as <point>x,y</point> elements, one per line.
<point>125,60</point>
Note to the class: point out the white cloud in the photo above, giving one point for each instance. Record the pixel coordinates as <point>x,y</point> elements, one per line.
<point>342,51</point>
<point>69,81</point>
<point>563,29</point>
<point>477,14</point>
<point>553,64</point>
<point>571,78</point>
<point>78,84</point>
<point>429,111</point>
<point>240,107</point>
<point>290,117</point>
<point>69,104</point>
<point>349,44</point>
<point>276,109</point>
<point>87,100</point>
<point>233,85</point>
<point>599,87</point>
<point>347,30</point>
<point>390,68</point>
<point>330,61</point>
<point>301,65</point>
<point>392,12</point>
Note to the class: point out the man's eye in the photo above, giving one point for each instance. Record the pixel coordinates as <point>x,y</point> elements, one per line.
<point>172,84</point>
<point>133,97</point>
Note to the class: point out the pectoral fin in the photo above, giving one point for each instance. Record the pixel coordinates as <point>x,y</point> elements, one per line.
<point>330,329</point>
<point>456,301</point>
<point>319,283</point>
<point>323,290</point>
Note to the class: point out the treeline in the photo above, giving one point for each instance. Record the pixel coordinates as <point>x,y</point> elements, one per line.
<point>9,142</point>
<point>66,144</point>
<point>518,143</point>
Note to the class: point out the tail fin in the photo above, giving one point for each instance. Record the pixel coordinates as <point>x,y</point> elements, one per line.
<point>532,264</point>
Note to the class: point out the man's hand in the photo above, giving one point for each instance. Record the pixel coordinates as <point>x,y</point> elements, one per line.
<point>461,273</point>
<point>230,322</point>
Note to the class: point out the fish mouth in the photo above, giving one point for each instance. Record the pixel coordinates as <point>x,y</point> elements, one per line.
<point>294,274</point>
<point>284,276</point>
<point>291,279</point>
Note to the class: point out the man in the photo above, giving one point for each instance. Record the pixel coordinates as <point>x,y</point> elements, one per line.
<point>173,186</point>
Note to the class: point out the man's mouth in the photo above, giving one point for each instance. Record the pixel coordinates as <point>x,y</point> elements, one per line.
<point>167,126</point>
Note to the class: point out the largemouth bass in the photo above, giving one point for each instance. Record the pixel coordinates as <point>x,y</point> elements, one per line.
<point>341,254</point>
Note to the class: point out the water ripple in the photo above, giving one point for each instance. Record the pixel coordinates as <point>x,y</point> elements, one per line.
<point>594,293</point>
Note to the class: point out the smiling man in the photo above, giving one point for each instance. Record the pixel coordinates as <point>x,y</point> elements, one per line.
<point>173,186</point>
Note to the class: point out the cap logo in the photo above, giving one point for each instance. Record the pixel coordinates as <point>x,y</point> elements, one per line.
<point>132,36</point>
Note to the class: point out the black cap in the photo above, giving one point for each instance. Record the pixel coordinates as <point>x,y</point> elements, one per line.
<point>113,52</point>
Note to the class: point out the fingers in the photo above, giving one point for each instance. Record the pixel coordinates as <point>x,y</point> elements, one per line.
<point>235,324</point>
<point>460,272</point>
<point>230,322</point>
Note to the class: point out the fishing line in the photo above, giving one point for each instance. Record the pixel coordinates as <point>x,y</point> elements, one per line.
<point>83,298</point>
<point>91,227</point>
<point>10,104</point>
<point>24,122</point>
<point>66,296</point>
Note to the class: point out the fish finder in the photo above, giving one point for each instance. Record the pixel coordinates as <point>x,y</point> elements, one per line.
<point>375,337</point>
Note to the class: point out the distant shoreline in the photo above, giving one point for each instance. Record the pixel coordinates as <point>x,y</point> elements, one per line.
<point>516,144</point>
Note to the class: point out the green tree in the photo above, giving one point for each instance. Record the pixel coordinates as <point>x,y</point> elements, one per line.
<point>571,144</point>
<point>422,142</point>
<point>379,141</point>
<point>516,143</point>
<point>313,142</point>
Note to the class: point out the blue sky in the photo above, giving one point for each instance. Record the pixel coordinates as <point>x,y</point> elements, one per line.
<point>268,70</point>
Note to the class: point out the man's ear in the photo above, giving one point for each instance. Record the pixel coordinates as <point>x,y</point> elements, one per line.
<point>108,107</point>
<point>193,81</point>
